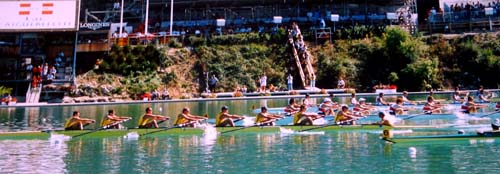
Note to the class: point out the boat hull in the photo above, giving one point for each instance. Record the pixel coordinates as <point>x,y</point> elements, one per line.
<point>192,131</point>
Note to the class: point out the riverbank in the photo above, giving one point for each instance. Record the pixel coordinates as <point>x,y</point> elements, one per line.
<point>250,96</point>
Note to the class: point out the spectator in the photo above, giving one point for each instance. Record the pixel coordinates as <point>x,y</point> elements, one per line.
<point>45,70</point>
<point>289,80</point>
<point>213,83</point>
<point>313,81</point>
<point>53,71</point>
<point>263,83</point>
<point>341,83</point>
<point>165,95</point>
<point>156,95</point>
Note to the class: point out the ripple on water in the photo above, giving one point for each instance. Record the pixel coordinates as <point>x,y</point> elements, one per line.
<point>31,156</point>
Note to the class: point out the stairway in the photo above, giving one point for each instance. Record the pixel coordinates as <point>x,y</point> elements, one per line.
<point>302,56</point>
<point>33,94</point>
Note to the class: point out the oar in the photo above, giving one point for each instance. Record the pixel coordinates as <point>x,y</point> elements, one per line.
<point>333,124</point>
<point>482,116</point>
<point>168,128</point>
<point>256,125</point>
<point>388,140</point>
<point>102,128</point>
<point>417,115</point>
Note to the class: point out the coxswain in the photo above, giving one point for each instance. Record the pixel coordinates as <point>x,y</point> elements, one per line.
<point>148,120</point>
<point>223,118</point>
<point>265,118</point>
<point>344,116</point>
<point>292,106</point>
<point>470,106</point>
<point>77,123</point>
<point>304,118</point>
<point>431,106</point>
<point>380,101</point>
<point>398,108</point>
<point>186,119</point>
<point>406,101</point>
<point>112,121</point>
<point>327,107</point>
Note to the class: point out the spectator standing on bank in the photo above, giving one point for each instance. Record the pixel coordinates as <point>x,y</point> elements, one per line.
<point>263,83</point>
<point>313,81</point>
<point>341,83</point>
<point>289,81</point>
<point>213,83</point>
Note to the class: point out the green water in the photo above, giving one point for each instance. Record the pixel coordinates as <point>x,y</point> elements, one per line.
<point>320,152</point>
<point>343,152</point>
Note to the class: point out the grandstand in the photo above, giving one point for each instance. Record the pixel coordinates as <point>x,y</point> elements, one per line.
<point>190,15</point>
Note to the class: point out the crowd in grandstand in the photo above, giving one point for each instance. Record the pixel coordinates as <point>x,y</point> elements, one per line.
<point>464,11</point>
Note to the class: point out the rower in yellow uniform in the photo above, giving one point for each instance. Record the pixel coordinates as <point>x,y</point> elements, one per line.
<point>265,119</point>
<point>223,118</point>
<point>77,123</point>
<point>344,116</point>
<point>304,118</point>
<point>148,120</point>
<point>112,121</point>
<point>185,118</point>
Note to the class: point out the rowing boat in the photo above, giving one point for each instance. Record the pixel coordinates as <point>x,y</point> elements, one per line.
<point>489,136</point>
<point>195,131</point>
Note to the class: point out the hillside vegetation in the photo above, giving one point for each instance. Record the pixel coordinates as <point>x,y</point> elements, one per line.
<point>364,60</point>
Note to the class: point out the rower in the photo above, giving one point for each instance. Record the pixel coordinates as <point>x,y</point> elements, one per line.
<point>458,96</point>
<point>111,121</point>
<point>383,120</point>
<point>345,117</point>
<point>148,120</point>
<point>185,119</point>
<point>497,107</point>
<point>77,123</point>
<point>265,119</point>
<point>223,118</point>
<point>470,106</point>
<point>406,101</point>
<point>398,108</point>
<point>354,101</point>
<point>380,100</point>
<point>307,101</point>
<point>483,98</point>
<point>431,106</point>
<point>362,107</point>
<point>327,107</point>
<point>292,107</point>
<point>304,118</point>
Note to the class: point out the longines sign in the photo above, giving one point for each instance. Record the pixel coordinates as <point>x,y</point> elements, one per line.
<point>39,15</point>
<point>95,26</point>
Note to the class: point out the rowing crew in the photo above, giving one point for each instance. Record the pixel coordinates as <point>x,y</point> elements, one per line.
<point>184,119</point>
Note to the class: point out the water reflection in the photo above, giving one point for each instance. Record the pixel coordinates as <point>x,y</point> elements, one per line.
<point>32,156</point>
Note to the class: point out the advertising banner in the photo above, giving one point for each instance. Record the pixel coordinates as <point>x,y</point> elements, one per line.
<point>39,15</point>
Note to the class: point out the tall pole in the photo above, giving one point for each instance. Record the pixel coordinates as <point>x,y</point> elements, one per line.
<point>146,21</point>
<point>73,73</point>
<point>171,15</point>
<point>121,20</point>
